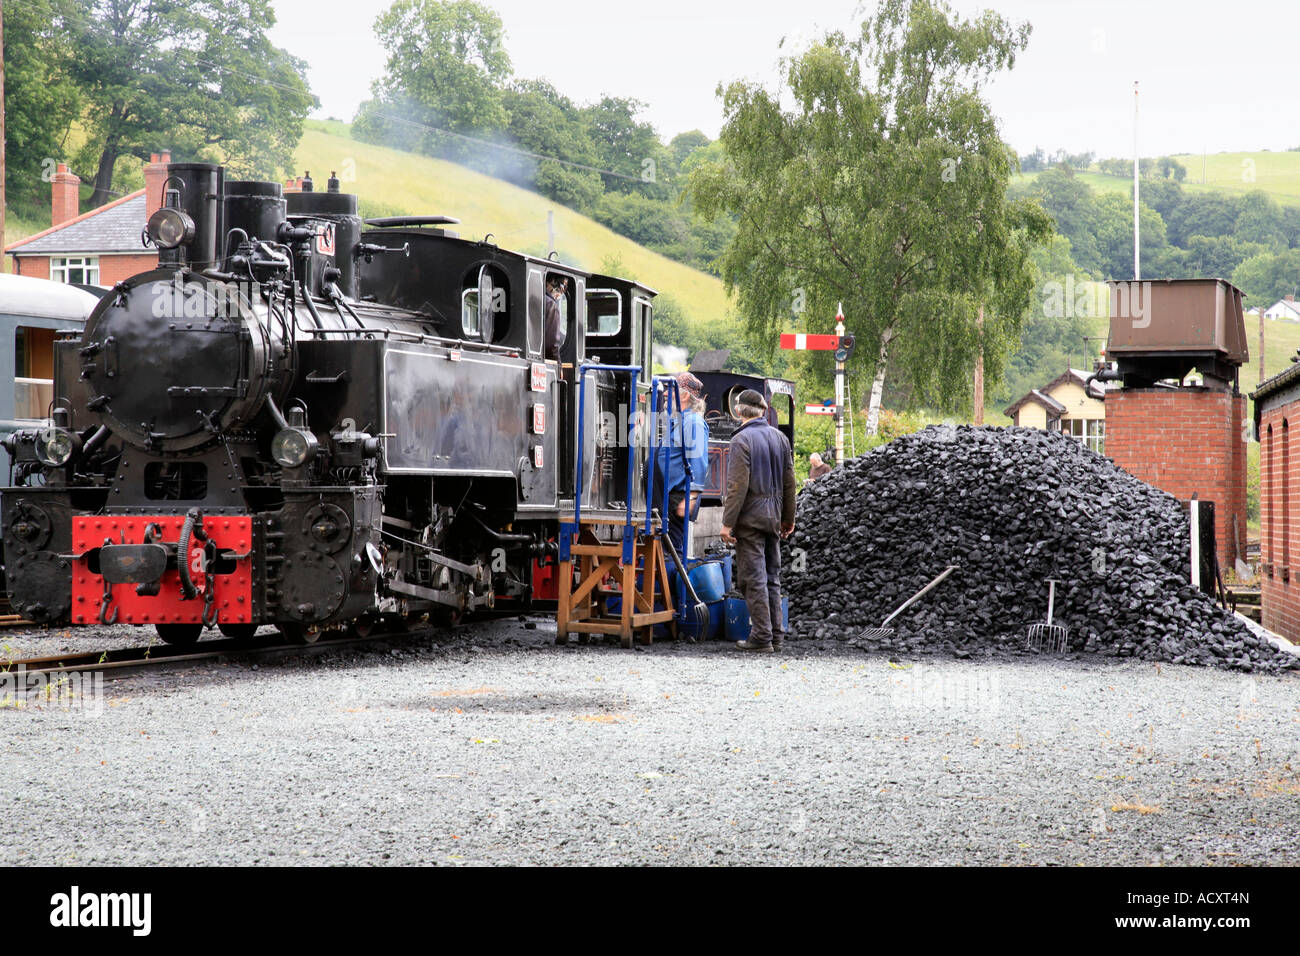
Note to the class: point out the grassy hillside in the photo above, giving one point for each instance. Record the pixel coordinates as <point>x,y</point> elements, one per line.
<point>1277,174</point>
<point>392,182</point>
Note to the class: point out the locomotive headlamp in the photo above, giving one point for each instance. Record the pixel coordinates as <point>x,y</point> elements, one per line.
<point>292,447</point>
<point>55,447</point>
<point>169,228</point>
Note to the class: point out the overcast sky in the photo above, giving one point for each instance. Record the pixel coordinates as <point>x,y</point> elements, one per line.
<point>1214,76</point>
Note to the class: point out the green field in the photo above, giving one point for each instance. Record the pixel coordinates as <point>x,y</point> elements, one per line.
<point>396,182</point>
<point>1277,174</point>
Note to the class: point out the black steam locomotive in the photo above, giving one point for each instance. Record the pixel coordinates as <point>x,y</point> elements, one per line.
<point>307,420</point>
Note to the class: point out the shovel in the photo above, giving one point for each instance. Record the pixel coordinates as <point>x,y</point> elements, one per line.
<point>885,630</point>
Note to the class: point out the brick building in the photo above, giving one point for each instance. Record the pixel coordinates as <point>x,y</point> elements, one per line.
<point>1189,442</point>
<point>1187,439</point>
<point>1277,412</point>
<point>100,247</point>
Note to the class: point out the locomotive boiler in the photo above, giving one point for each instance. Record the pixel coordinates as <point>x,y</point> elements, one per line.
<point>310,421</point>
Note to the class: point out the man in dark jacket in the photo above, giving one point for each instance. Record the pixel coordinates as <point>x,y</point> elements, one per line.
<point>553,329</point>
<point>759,509</point>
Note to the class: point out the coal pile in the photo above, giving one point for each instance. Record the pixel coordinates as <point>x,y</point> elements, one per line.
<point>1012,507</point>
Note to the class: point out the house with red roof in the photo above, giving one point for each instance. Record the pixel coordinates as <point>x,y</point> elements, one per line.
<point>100,247</point>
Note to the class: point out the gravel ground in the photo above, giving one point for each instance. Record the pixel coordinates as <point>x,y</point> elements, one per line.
<point>492,746</point>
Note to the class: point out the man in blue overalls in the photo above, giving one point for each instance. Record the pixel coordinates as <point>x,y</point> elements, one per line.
<point>692,435</point>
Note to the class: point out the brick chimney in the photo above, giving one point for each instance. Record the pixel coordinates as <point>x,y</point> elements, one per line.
<point>155,175</point>
<point>66,203</point>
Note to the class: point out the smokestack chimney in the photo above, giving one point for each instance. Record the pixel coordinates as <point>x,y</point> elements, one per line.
<point>155,175</point>
<point>66,203</point>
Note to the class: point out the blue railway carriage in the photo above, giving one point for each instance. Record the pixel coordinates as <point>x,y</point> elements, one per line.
<point>32,314</point>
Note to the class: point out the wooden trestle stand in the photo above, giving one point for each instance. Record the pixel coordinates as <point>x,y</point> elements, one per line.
<point>642,580</point>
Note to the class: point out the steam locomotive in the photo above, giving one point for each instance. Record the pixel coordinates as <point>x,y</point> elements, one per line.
<point>306,420</point>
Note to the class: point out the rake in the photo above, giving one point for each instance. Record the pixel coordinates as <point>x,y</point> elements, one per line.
<point>885,630</point>
<point>1055,637</point>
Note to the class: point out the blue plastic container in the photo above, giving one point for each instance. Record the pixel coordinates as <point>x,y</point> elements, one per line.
<point>737,617</point>
<point>709,581</point>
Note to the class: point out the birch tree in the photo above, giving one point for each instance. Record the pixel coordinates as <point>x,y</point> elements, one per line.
<point>876,176</point>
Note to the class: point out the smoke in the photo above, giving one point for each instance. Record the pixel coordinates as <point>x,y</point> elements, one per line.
<point>411,127</point>
<point>670,357</point>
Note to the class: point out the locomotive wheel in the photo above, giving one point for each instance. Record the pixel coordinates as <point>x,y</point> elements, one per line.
<point>365,625</point>
<point>298,633</point>
<point>238,632</point>
<point>182,635</point>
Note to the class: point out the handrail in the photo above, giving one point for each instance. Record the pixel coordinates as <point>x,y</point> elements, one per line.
<point>566,533</point>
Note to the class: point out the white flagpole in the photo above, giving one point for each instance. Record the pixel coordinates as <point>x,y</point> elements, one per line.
<point>1137,267</point>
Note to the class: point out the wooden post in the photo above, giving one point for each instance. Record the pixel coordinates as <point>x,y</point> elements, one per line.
<point>1261,344</point>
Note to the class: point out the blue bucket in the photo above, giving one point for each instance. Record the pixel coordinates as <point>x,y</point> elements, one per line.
<point>737,617</point>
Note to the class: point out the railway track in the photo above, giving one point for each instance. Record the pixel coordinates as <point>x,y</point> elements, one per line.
<point>122,662</point>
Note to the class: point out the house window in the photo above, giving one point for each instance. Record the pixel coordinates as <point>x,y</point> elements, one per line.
<point>83,270</point>
<point>1087,431</point>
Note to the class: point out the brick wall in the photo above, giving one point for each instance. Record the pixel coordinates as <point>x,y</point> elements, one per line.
<point>35,266</point>
<point>1185,441</point>
<point>1279,524</point>
<point>113,269</point>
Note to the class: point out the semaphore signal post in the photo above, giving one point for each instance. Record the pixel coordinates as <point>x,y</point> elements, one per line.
<point>842,345</point>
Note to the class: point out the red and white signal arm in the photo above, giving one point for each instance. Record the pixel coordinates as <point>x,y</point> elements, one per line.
<point>816,343</point>
<point>539,377</point>
<point>539,419</point>
<point>819,409</point>
<point>325,240</point>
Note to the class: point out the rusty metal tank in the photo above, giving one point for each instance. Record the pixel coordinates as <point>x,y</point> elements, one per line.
<point>1164,328</point>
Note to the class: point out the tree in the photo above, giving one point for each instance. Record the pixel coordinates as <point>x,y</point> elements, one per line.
<point>447,64</point>
<point>628,147</point>
<point>1115,238</point>
<point>1070,202</point>
<point>1204,214</point>
<point>1260,220</point>
<point>1267,277</point>
<point>1170,168</point>
<point>197,76</point>
<point>543,121</point>
<point>683,144</point>
<point>40,99</point>
<point>1218,256</point>
<point>878,179</point>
